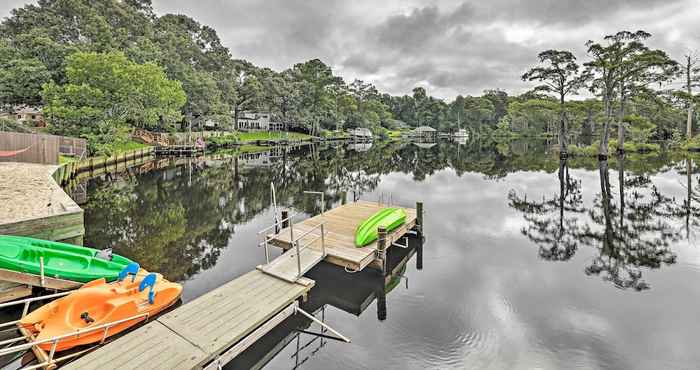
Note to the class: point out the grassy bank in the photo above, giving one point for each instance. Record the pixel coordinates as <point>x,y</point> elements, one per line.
<point>243,138</point>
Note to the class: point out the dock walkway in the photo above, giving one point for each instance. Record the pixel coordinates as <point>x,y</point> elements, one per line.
<point>193,336</point>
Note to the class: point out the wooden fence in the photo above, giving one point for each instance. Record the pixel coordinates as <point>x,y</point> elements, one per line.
<point>35,148</point>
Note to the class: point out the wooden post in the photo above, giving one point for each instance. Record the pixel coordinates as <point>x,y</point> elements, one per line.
<point>419,218</point>
<point>381,247</point>
<point>285,218</point>
<point>381,303</point>
<point>419,256</point>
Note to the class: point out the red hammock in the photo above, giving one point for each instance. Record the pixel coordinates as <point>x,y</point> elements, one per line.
<point>12,153</point>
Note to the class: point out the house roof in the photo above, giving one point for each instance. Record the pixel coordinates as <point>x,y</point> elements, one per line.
<point>425,129</point>
<point>25,109</point>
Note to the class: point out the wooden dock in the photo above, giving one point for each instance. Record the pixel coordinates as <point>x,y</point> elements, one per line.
<point>340,225</point>
<point>179,150</point>
<point>224,321</point>
<point>213,329</point>
<point>32,204</point>
<point>10,291</point>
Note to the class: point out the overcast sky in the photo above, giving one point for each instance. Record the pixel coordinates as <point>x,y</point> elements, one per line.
<point>448,46</point>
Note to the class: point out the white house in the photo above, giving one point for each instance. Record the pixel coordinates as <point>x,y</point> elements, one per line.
<point>361,133</point>
<point>258,121</point>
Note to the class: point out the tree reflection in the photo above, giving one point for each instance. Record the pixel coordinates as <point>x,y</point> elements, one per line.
<point>634,234</point>
<point>689,210</point>
<point>629,232</point>
<point>178,218</point>
<point>549,227</point>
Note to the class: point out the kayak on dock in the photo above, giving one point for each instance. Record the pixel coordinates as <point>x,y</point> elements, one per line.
<point>389,218</point>
<point>136,296</point>
<point>61,260</point>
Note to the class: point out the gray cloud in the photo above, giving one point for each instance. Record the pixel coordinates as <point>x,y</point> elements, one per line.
<point>448,46</point>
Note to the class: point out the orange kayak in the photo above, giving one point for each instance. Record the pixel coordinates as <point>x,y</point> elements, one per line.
<point>98,303</point>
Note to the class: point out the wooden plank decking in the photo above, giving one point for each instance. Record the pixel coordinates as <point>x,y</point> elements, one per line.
<point>288,269</point>
<point>340,225</point>
<point>32,204</point>
<point>10,291</point>
<point>191,336</point>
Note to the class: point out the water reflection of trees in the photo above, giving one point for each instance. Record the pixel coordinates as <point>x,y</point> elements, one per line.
<point>553,223</point>
<point>629,230</point>
<point>178,220</point>
<point>632,234</point>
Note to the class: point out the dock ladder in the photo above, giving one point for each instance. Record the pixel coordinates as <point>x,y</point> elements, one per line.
<point>308,250</point>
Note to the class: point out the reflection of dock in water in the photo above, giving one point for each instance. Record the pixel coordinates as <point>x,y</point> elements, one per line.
<point>352,293</point>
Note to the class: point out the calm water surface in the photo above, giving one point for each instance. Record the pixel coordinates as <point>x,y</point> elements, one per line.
<point>528,262</point>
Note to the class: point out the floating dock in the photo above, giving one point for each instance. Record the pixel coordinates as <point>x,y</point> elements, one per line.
<point>340,224</point>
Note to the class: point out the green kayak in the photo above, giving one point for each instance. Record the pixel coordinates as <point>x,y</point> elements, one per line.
<point>390,218</point>
<point>64,261</point>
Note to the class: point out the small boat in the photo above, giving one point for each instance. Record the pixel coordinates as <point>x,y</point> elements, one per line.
<point>389,218</point>
<point>100,303</point>
<point>61,260</point>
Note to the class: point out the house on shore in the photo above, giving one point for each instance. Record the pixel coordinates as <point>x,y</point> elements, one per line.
<point>258,121</point>
<point>25,114</point>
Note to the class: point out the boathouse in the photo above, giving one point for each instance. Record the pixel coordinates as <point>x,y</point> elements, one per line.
<point>425,132</point>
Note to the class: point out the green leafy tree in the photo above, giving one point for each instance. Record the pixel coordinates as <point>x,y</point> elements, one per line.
<point>622,65</point>
<point>106,93</point>
<point>20,78</point>
<point>560,75</point>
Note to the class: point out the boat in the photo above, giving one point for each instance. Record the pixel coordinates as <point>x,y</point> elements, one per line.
<point>136,296</point>
<point>389,218</point>
<point>60,260</point>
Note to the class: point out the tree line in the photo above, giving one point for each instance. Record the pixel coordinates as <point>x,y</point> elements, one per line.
<point>101,68</point>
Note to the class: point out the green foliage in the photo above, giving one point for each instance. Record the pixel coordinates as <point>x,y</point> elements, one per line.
<point>106,94</point>
<point>57,44</point>
<point>640,128</point>
<point>21,78</point>
<point>692,145</point>
<point>222,141</point>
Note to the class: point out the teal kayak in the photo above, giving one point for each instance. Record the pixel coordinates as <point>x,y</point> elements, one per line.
<point>389,218</point>
<point>61,260</point>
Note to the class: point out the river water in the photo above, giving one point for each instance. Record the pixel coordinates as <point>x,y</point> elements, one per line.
<point>528,261</point>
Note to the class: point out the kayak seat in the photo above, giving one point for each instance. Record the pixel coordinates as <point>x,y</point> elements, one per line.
<point>130,269</point>
<point>149,281</point>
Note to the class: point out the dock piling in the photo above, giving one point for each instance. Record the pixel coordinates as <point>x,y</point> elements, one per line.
<point>381,246</point>
<point>419,218</point>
